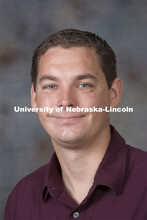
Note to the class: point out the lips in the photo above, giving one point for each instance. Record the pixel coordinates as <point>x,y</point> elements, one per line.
<point>68,118</point>
<point>68,115</point>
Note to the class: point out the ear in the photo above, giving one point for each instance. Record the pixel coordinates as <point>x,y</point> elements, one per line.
<point>33,97</point>
<point>116,92</point>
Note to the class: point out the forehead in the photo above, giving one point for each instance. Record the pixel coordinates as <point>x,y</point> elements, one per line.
<point>68,64</point>
<point>60,55</point>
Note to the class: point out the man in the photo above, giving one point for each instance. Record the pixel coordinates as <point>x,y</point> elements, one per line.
<point>93,173</point>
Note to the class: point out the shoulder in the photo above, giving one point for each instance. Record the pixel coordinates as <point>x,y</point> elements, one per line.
<point>31,183</point>
<point>137,156</point>
<point>137,165</point>
<point>36,176</point>
<point>27,190</point>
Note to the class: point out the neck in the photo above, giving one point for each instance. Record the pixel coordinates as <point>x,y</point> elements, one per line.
<point>79,166</point>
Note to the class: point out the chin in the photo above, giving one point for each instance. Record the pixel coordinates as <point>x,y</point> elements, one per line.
<point>67,140</point>
<point>66,136</point>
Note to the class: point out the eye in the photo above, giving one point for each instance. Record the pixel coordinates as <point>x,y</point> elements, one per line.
<point>85,85</point>
<point>51,86</point>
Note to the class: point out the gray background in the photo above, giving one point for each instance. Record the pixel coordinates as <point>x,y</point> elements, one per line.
<point>24,145</point>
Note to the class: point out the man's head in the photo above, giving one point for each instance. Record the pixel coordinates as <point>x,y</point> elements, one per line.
<point>75,38</point>
<point>75,75</point>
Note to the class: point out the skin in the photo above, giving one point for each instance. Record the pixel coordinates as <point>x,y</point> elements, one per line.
<point>73,77</point>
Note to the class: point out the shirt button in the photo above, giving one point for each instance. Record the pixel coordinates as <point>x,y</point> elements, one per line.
<point>76,215</point>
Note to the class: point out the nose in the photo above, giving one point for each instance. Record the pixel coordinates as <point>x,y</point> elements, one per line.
<point>66,98</point>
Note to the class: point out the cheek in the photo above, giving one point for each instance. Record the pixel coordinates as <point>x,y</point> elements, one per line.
<point>99,100</point>
<point>93,99</point>
<point>43,100</point>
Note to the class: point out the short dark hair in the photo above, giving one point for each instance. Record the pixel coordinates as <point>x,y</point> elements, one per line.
<point>76,38</point>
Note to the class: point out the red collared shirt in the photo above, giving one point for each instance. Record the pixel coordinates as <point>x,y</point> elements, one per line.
<point>118,192</point>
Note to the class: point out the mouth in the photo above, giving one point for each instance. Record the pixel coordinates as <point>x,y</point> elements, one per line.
<point>68,118</point>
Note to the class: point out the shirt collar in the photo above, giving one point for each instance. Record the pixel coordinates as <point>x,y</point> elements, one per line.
<point>110,173</point>
<point>53,185</point>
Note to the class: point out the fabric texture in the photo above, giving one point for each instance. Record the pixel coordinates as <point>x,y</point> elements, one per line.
<point>118,191</point>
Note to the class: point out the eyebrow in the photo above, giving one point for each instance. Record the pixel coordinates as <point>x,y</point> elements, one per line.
<point>79,77</point>
<point>48,77</point>
<point>86,76</point>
